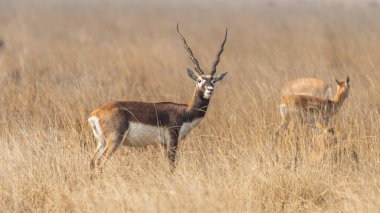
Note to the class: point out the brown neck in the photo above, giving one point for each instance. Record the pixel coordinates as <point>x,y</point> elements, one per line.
<point>198,105</point>
<point>338,100</point>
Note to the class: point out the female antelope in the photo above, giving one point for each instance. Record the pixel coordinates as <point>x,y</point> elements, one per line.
<point>314,110</point>
<point>142,124</point>
<point>307,86</point>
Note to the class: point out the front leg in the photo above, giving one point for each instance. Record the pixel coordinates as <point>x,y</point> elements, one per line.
<point>171,148</point>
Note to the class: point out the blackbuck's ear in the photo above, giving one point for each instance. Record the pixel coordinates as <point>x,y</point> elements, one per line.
<point>191,74</point>
<point>336,80</point>
<point>220,77</point>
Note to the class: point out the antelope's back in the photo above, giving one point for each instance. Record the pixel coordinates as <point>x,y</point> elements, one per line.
<point>307,86</point>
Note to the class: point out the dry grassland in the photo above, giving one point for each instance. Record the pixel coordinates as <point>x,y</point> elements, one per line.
<point>62,59</point>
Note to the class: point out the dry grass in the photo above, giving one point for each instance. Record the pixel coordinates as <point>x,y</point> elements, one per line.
<point>63,59</point>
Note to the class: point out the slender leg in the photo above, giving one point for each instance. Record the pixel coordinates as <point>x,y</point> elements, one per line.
<point>284,119</point>
<point>113,142</point>
<point>171,149</point>
<point>99,152</point>
<point>96,129</point>
<point>328,130</point>
<point>283,125</point>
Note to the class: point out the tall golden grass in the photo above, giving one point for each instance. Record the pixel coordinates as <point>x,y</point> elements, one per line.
<point>62,59</point>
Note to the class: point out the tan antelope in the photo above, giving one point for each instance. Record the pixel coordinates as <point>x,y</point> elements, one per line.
<point>307,86</point>
<point>313,110</point>
<point>140,124</point>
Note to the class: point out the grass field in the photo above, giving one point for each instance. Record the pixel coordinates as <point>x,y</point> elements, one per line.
<point>62,59</point>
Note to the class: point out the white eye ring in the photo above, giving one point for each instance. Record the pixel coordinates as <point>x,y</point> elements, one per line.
<point>213,81</point>
<point>199,81</point>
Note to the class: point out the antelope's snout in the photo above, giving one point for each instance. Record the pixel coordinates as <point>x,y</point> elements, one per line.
<point>209,91</point>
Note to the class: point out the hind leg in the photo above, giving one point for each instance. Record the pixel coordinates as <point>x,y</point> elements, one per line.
<point>284,125</point>
<point>97,131</point>
<point>113,142</point>
<point>98,152</point>
<point>284,119</point>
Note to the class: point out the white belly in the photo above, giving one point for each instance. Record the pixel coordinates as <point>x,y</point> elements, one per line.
<point>143,135</point>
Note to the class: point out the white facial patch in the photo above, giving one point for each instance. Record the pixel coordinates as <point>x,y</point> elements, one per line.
<point>208,92</point>
<point>200,82</point>
<point>209,89</point>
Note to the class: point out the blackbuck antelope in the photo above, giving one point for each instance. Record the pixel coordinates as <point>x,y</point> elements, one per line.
<point>141,124</point>
<point>307,86</point>
<point>312,110</point>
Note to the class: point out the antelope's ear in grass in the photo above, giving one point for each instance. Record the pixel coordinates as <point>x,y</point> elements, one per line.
<point>336,80</point>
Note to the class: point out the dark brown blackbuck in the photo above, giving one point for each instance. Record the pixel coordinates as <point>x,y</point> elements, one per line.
<point>135,123</point>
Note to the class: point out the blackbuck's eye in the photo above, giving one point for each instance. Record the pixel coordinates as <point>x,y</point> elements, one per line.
<point>213,81</point>
<point>199,81</point>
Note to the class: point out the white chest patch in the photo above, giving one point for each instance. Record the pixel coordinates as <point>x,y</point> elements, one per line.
<point>143,135</point>
<point>187,127</point>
